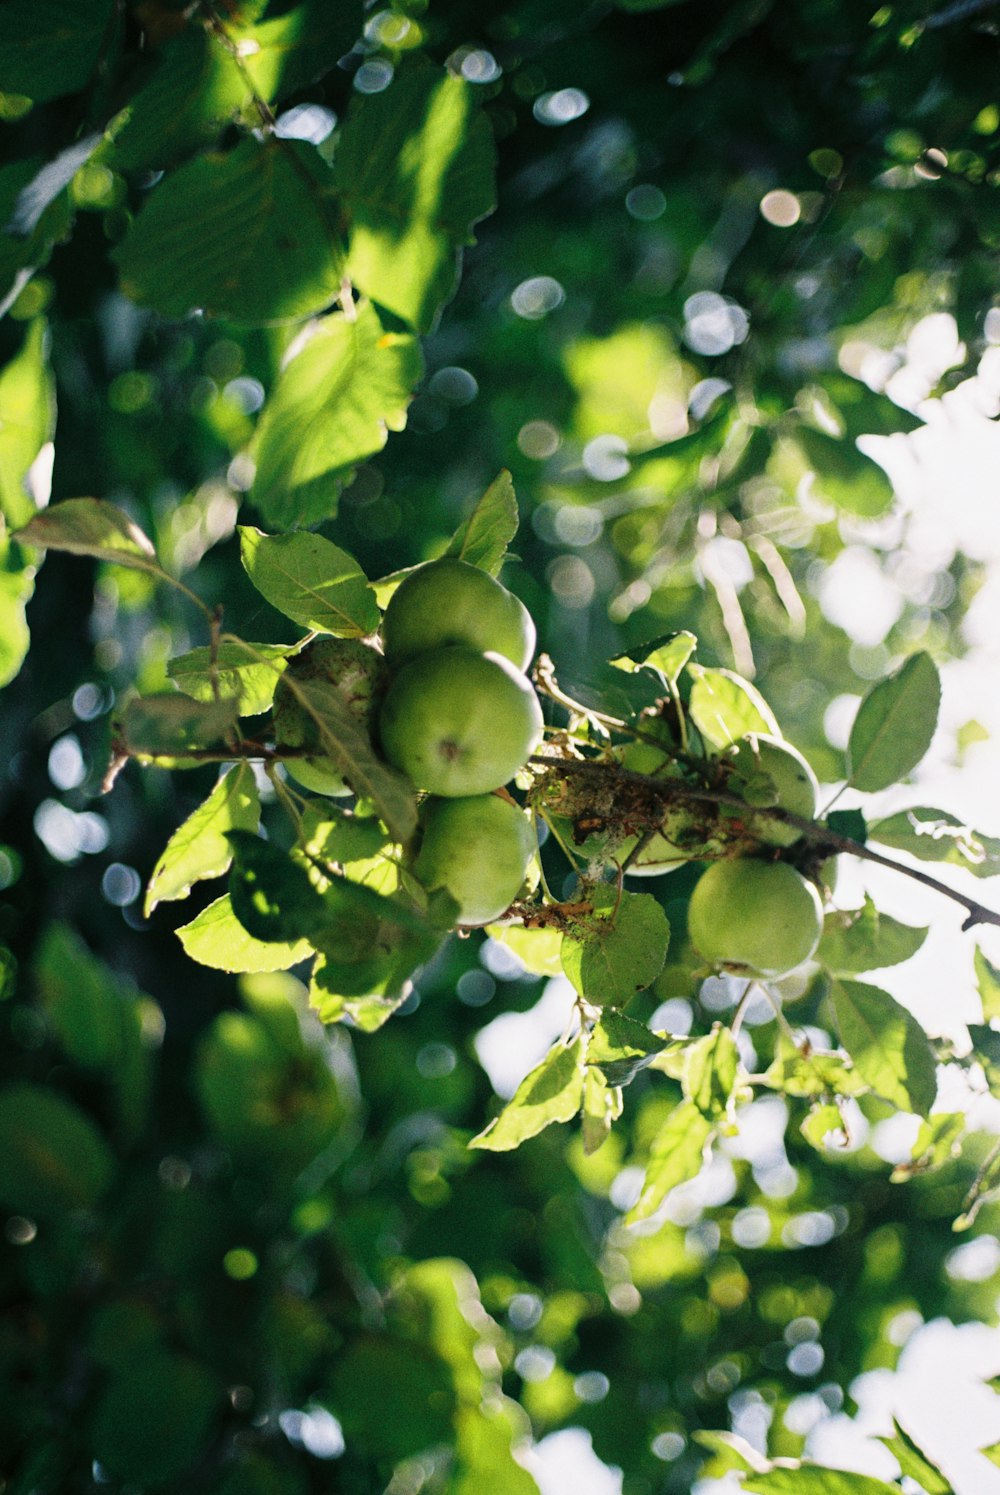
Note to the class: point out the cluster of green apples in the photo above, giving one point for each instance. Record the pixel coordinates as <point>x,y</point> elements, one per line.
<point>444,698</point>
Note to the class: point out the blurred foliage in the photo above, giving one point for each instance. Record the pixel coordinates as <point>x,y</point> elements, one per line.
<point>245,1253</point>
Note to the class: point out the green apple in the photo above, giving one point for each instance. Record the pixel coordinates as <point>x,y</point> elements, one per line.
<point>479,848</point>
<point>358,671</point>
<point>758,759</point>
<point>450,602</point>
<point>762,918</point>
<point>458,723</point>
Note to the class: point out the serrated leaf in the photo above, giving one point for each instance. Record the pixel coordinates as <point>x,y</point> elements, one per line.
<point>553,1091</point>
<point>844,475</point>
<point>334,404</point>
<point>676,1155</point>
<point>667,655</point>
<point>27,420</point>
<point>894,725</point>
<point>888,1046</point>
<point>170,725</point>
<point>602,1106</point>
<point>822,1122</point>
<point>810,1479</point>
<point>310,580</point>
<point>341,738</point>
<point>621,1046</point>
<point>988,984</point>
<point>198,849</point>
<point>811,1072</point>
<point>216,938</point>
<point>245,673</point>
<point>415,164</point>
<point>539,950</point>
<point>89,526</point>
<point>937,836</point>
<point>50,47</point>
<point>725,707</point>
<point>938,1141</point>
<point>711,1065</point>
<point>52,1157</point>
<point>619,949</point>
<point>914,1463</point>
<point>863,939</point>
<point>265,250</point>
<point>484,537</point>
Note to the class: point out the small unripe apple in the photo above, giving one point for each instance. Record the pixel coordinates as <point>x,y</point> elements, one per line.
<point>458,722</point>
<point>358,672</point>
<point>479,848</point>
<point>758,759</point>
<point>759,917</point>
<point>450,602</point>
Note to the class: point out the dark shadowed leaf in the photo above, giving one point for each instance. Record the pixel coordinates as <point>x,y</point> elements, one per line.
<point>154,1417</point>
<point>621,1046</point>
<point>89,526</point>
<point>52,1157</point>
<point>844,475</point>
<point>51,47</point>
<point>894,725</point>
<point>170,725</point>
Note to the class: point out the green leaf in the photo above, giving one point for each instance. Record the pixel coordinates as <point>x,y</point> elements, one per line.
<point>667,655</point>
<point>336,836</point>
<point>245,673</point>
<point>985,1189</point>
<point>539,950</point>
<point>725,707</point>
<point>170,725</point>
<point>988,983</point>
<point>676,1155</point>
<point>602,1106</point>
<point>27,420</point>
<point>311,581</point>
<point>823,1121</point>
<point>52,1157</point>
<point>484,537</point>
<point>272,893</point>
<point>621,1046</point>
<point>216,938</point>
<point>198,849</point>
<point>204,78</point>
<point>937,836</point>
<point>844,475</point>
<point>265,250</point>
<point>335,402</point>
<point>862,939</point>
<point>619,949</point>
<point>22,254</point>
<point>809,1072</point>
<point>341,738</point>
<point>89,526</point>
<point>415,164</point>
<point>553,1091</point>
<point>914,1463</point>
<point>992,1453</point>
<point>810,1479</point>
<point>80,999</point>
<point>153,1419</point>
<point>894,725</point>
<point>938,1141</point>
<point>986,1048</point>
<point>732,1454</point>
<point>423,1396</point>
<point>368,1012</point>
<point>51,47</point>
<point>17,583</point>
<point>888,1046</point>
<point>711,1065</point>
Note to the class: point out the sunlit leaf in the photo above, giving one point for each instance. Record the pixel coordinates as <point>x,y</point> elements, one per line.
<point>335,403</point>
<point>810,1479</point>
<point>216,938</point>
<point>888,1046</point>
<point>988,983</point>
<point>553,1091</point>
<point>52,1157</point>
<point>619,949</point>
<point>731,1454</point>
<point>245,673</point>
<point>199,849</point>
<point>266,248</point>
<point>863,939</point>
<point>415,166</point>
<point>894,725</point>
<point>602,1106</point>
<point>667,655</point>
<point>938,836</point>
<point>27,420</point>
<point>710,1070</point>
<point>621,1046</point>
<point>310,580</point>
<point>17,583</point>
<point>51,47</point>
<point>676,1155</point>
<point>822,1123</point>
<point>89,526</point>
<point>939,1141</point>
<point>484,537</point>
<point>725,707</point>
<point>539,950</point>
<point>810,1072</point>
